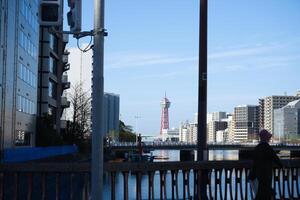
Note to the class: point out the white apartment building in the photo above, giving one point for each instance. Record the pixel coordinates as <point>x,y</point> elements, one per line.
<point>188,132</point>
<point>270,104</point>
<point>215,121</point>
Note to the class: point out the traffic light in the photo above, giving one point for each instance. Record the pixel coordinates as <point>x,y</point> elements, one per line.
<point>74,15</point>
<point>50,13</point>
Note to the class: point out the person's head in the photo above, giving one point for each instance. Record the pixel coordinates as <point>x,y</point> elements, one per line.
<point>264,135</point>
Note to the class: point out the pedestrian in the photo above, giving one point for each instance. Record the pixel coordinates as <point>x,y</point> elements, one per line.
<point>263,159</point>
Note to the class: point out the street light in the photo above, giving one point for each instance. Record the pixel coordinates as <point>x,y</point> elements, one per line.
<point>136,132</point>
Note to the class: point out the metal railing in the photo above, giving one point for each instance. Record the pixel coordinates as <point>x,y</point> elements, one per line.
<point>164,180</point>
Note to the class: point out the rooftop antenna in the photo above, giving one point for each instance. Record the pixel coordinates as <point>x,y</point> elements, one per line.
<point>285,93</point>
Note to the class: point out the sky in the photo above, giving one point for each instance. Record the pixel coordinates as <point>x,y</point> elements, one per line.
<point>152,49</point>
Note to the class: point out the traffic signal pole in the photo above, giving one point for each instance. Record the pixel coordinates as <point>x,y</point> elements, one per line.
<point>97,101</point>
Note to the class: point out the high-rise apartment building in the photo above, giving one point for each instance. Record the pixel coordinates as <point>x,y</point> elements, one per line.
<point>111,104</point>
<point>246,123</point>
<point>261,113</point>
<point>287,121</point>
<point>19,38</point>
<point>270,104</point>
<point>52,77</point>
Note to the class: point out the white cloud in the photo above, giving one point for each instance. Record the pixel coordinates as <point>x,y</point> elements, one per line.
<point>133,59</point>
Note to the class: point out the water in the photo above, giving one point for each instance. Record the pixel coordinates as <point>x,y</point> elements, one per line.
<point>174,155</point>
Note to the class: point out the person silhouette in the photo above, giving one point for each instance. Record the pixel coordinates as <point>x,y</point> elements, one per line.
<point>263,158</point>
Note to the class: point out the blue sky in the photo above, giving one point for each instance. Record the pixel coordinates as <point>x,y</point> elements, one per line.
<point>152,47</point>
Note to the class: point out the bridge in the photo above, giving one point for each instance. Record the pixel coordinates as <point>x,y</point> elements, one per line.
<point>150,146</point>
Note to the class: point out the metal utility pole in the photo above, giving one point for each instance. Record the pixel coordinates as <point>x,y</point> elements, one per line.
<point>202,153</point>
<point>202,87</point>
<point>97,102</point>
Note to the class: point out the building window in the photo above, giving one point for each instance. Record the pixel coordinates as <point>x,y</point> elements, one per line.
<point>53,43</point>
<point>22,138</point>
<point>25,105</point>
<point>26,75</point>
<point>52,65</point>
<point>52,89</point>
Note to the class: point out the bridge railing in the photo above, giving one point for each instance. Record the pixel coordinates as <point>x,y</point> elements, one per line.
<point>164,180</point>
<point>225,179</point>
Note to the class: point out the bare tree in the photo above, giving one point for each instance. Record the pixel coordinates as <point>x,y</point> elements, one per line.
<point>78,128</point>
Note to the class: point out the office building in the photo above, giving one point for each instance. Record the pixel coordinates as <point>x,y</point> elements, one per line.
<point>216,116</point>
<point>246,123</point>
<point>270,104</point>
<point>19,38</point>
<point>215,121</point>
<point>287,121</point>
<point>52,78</point>
<point>212,128</point>
<point>111,104</point>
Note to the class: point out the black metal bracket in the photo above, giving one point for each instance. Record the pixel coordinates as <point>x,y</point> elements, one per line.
<point>80,34</point>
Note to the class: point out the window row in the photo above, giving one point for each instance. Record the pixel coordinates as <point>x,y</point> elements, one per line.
<point>27,76</point>
<point>30,16</point>
<point>27,45</point>
<point>26,105</point>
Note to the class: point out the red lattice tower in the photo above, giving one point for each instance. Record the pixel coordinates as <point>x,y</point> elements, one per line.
<point>164,122</point>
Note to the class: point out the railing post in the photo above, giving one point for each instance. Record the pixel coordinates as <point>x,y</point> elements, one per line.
<point>125,176</point>
<point>113,185</point>
<point>151,184</point>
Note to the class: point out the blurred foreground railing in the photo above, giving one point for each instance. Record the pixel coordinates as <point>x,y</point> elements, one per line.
<point>165,180</point>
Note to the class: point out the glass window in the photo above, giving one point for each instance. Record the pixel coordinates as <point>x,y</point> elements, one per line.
<point>23,73</point>
<point>52,89</point>
<point>28,75</point>
<point>21,38</point>
<point>19,70</point>
<point>22,104</point>
<point>53,42</point>
<point>24,40</point>
<point>19,103</point>
<point>52,65</point>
